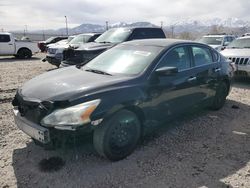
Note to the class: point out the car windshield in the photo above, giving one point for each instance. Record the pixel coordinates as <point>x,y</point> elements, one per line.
<point>80,39</point>
<point>50,39</point>
<point>211,40</point>
<point>240,43</point>
<point>70,38</point>
<point>114,36</point>
<point>124,59</point>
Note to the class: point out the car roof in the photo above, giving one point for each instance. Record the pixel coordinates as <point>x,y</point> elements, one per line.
<point>134,27</point>
<point>5,33</point>
<point>158,42</point>
<point>89,33</point>
<point>226,35</point>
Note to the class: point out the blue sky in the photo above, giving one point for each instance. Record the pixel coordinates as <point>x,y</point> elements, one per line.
<point>15,14</point>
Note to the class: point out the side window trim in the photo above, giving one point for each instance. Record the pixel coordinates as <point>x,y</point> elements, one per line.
<point>185,46</point>
<point>209,50</point>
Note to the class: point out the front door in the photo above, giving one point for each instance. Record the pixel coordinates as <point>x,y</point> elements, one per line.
<point>173,94</point>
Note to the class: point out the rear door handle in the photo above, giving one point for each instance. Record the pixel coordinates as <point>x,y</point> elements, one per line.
<point>10,44</point>
<point>217,69</point>
<point>192,79</point>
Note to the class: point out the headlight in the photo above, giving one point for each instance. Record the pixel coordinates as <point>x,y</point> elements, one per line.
<point>60,50</point>
<point>72,116</point>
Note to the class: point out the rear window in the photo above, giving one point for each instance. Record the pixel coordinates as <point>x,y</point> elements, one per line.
<point>147,33</point>
<point>201,56</point>
<point>4,38</point>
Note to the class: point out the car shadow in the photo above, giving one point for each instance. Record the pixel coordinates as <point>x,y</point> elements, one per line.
<point>13,59</point>
<point>242,82</point>
<point>48,70</point>
<point>194,151</point>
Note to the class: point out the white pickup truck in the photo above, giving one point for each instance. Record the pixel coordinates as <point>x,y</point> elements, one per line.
<point>19,48</point>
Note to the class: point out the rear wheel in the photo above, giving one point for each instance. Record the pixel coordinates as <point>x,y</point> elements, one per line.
<point>117,138</point>
<point>220,97</point>
<point>24,53</point>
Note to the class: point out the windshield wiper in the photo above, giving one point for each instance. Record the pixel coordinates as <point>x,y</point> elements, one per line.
<point>98,71</point>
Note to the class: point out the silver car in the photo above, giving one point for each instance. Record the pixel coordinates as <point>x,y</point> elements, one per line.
<point>218,42</point>
<point>239,53</point>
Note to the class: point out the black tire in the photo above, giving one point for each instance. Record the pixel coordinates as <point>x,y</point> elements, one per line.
<point>220,97</point>
<point>117,138</point>
<point>24,53</point>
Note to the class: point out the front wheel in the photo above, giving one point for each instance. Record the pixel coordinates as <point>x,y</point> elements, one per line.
<point>220,97</point>
<point>117,138</point>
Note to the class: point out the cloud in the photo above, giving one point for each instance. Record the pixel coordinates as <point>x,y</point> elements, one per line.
<point>50,14</point>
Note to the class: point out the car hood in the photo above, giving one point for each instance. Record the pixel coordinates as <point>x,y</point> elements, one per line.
<point>63,84</point>
<point>233,52</point>
<point>95,46</point>
<point>58,46</point>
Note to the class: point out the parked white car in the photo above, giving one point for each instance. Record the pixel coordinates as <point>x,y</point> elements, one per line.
<point>55,52</point>
<point>218,42</point>
<point>239,53</point>
<point>61,42</point>
<point>19,48</point>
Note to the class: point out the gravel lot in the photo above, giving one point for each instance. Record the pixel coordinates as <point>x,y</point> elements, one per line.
<point>203,149</point>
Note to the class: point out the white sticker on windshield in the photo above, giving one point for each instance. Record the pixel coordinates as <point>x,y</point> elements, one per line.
<point>143,53</point>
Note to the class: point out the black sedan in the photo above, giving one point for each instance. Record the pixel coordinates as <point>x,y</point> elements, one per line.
<point>116,94</point>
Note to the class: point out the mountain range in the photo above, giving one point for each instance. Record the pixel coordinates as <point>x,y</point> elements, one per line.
<point>187,25</point>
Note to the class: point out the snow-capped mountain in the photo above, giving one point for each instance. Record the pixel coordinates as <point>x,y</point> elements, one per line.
<point>229,22</point>
<point>186,25</point>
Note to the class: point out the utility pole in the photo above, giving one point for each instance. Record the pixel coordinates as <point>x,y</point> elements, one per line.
<point>107,25</point>
<point>25,31</point>
<point>66,22</point>
<point>172,31</point>
<point>172,27</point>
<point>43,35</point>
<point>161,24</point>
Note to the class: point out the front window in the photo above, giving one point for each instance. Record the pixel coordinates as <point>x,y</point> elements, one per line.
<point>80,39</point>
<point>114,36</point>
<point>240,43</point>
<point>211,40</point>
<point>178,57</point>
<point>124,59</point>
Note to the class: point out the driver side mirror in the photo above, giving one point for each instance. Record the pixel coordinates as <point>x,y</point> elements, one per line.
<point>166,71</point>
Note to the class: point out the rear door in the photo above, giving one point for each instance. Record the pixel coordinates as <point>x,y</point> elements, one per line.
<point>7,46</point>
<point>206,70</point>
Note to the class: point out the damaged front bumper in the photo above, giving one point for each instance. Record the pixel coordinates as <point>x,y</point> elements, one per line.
<point>35,131</point>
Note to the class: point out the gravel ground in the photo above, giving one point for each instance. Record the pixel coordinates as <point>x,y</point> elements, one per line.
<point>202,149</point>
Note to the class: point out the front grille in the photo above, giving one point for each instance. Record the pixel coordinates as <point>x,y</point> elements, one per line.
<point>240,60</point>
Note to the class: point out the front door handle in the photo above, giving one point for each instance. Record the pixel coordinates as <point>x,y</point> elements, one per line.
<point>217,70</point>
<point>10,44</point>
<point>192,79</point>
